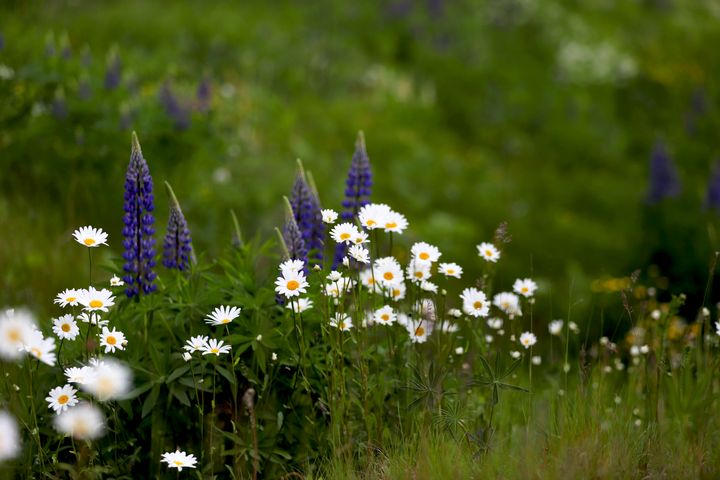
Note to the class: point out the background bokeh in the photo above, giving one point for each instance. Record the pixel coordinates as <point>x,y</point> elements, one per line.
<point>591,127</point>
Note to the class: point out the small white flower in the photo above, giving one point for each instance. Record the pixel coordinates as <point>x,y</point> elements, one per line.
<point>10,438</point>
<point>603,341</point>
<point>644,349</point>
<point>116,281</point>
<point>112,339</point>
<point>93,318</point>
<point>334,276</point>
<point>488,252</point>
<point>65,327</point>
<point>706,312</point>
<point>418,330</point>
<point>359,253</point>
<point>84,422</point>
<point>90,237</point>
<point>528,339</point>
<point>395,222</point>
<point>60,398</point>
<point>634,350</point>
<point>425,252</point>
<point>495,323</point>
<point>291,284</point>
<point>373,215</point>
<point>454,312</point>
<point>16,328</point>
<point>342,321</point>
<point>108,380</point>
<point>388,272</point>
<point>555,327</point>
<point>179,460</point>
<point>292,266</point>
<point>536,360</point>
<point>525,287</point>
<point>222,315</point>
<point>187,356</point>
<point>344,233</point>
<point>717,328</point>
<point>78,375</point>
<point>216,347</point>
<point>656,314</point>
<point>67,297</point>
<point>508,303</point>
<point>346,262</point>
<point>573,327</point>
<point>385,315</point>
<point>93,300</point>
<point>459,350</point>
<point>274,357</point>
<point>300,305</point>
<point>428,286</point>
<point>329,216</point>
<point>450,270</point>
<point>418,271</point>
<point>515,354</point>
<point>475,302</point>
<point>41,348</point>
<point>489,338</point>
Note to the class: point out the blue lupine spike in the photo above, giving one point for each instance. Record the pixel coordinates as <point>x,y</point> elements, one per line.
<point>664,181</point>
<point>177,248</point>
<point>306,210</point>
<point>138,219</point>
<point>292,236</point>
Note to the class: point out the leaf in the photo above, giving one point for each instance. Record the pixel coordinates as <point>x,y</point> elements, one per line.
<point>511,369</point>
<point>507,386</point>
<point>225,373</point>
<point>181,395</point>
<point>139,390</point>
<point>177,373</point>
<point>495,396</point>
<point>487,368</point>
<point>151,400</point>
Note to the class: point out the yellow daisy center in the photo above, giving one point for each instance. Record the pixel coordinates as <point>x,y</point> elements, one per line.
<point>477,305</point>
<point>214,350</point>
<point>391,225</point>
<point>342,325</point>
<point>396,292</point>
<point>388,276</point>
<point>293,285</point>
<point>65,327</point>
<point>14,335</point>
<point>70,299</point>
<point>450,271</point>
<point>488,253</point>
<point>227,320</point>
<point>178,463</point>
<point>344,236</point>
<point>111,340</point>
<point>36,352</point>
<point>419,274</point>
<point>370,223</point>
<point>96,303</point>
<point>524,289</point>
<point>63,399</point>
<point>385,317</point>
<point>419,331</point>
<point>89,241</point>
<point>424,256</point>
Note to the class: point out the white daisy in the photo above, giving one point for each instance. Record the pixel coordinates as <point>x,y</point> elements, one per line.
<point>359,253</point>
<point>341,321</point>
<point>344,233</point>
<point>112,339</point>
<point>425,252</point>
<point>116,281</point>
<point>93,318</point>
<point>360,238</point>
<point>508,303</point>
<point>109,380</point>
<point>41,348</point>
<point>368,281</point>
<point>450,270</point>
<point>83,422</point>
<point>60,398</point>
<point>388,272</point>
<point>488,252</point>
<point>65,327</point>
<point>90,236</point>
<point>291,284</point>
<point>216,347</point>
<point>373,215</point>
<point>329,216</point>
<point>525,287</point>
<point>78,375</point>
<point>455,312</point>
<point>93,300</point>
<point>418,331</point>
<point>300,305</point>
<point>515,354</point>
<point>555,327</point>
<point>10,438</point>
<point>384,315</point>
<point>395,222</point>
<point>16,328</point>
<point>475,302</point>
<point>222,315</point>
<point>334,276</point>
<point>179,460</point>
<point>196,344</point>
<point>418,271</point>
<point>495,323</point>
<point>397,292</point>
<point>428,286</point>
<point>67,297</point>
<point>292,266</point>
<point>528,339</point>
<point>536,360</point>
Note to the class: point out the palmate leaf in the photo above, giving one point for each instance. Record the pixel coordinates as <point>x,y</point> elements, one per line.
<point>511,369</point>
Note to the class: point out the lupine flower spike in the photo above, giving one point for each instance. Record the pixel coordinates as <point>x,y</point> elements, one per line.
<point>306,210</point>
<point>177,248</point>
<point>664,181</point>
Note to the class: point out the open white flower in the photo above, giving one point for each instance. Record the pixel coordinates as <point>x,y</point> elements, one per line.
<point>555,327</point>
<point>334,276</point>
<point>116,281</point>
<point>16,328</point>
<point>359,253</point>
<point>65,327</point>
<point>291,284</point>
<point>93,318</point>
<point>112,339</point>
<point>450,270</point>
<point>292,266</point>
<point>395,222</point>
<point>397,292</point>
<point>475,302</point>
<point>495,323</point>
<point>488,252</point>
<point>388,272</point>
<point>41,348</point>
<point>90,236</point>
<point>83,422</point>
<point>418,271</point>
<point>329,216</point>
<point>342,321</point>
<point>222,315</point>
<point>528,339</point>
<point>384,315</point>
<point>196,344</point>
<point>418,330</point>
<point>60,398</point>
<point>373,215</point>
<point>179,460</point>
<point>339,287</point>
<point>344,233</point>
<point>10,438</point>
<point>67,297</point>
<point>425,252</point>
<point>508,303</point>
<point>428,286</point>
<point>525,287</point>
<point>368,280</point>
<point>78,375</point>
<point>108,380</point>
<point>300,305</point>
<point>216,347</point>
<point>360,238</point>
<point>94,300</point>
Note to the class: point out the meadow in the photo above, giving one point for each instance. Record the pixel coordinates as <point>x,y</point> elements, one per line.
<point>402,240</point>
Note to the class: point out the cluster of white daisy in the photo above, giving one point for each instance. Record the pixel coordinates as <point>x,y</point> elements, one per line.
<point>221,316</point>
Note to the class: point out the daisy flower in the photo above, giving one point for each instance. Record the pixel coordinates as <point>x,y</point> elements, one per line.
<point>528,339</point>
<point>196,344</point>
<point>90,236</point>
<point>360,238</point>
<point>555,327</point>
<point>300,305</point>
<point>495,323</point>
<point>384,315</point>
<point>112,339</point>
<point>291,284</point>
<point>428,286</point>
<point>366,278</point>
<point>395,222</point>
<point>41,348</point>
<point>334,276</point>
<point>488,252</point>
<point>93,300</point>
<point>515,354</point>
<point>83,422</point>
<point>10,438</point>
<point>455,312</point>
<point>292,266</point>
<point>67,297</point>
<point>508,303</point>
<point>418,331</point>
<point>78,375</point>
<point>93,319</point>
<point>397,292</point>
<point>344,233</point>
<point>373,215</point>
<point>65,327</point>
<point>388,271</point>
<point>216,347</point>
<point>108,380</point>
<point>222,315</point>
<point>115,281</point>
<point>717,328</point>
<point>425,252</point>
<point>475,302</point>
<point>341,321</point>
<point>359,253</point>
<point>450,270</point>
<point>536,360</point>
<point>329,216</point>
<point>60,398</point>
<point>179,460</point>
<point>525,287</point>
<point>16,328</point>
<point>417,271</point>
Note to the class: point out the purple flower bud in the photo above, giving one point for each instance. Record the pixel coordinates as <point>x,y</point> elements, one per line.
<point>177,248</point>
<point>138,231</point>
<point>294,241</point>
<point>664,181</point>
<point>306,209</point>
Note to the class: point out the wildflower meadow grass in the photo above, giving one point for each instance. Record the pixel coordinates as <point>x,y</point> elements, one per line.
<point>338,349</point>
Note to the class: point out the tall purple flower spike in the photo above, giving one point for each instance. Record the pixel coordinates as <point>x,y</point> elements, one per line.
<point>712,199</point>
<point>358,188</point>
<point>138,231</point>
<point>664,181</point>
<point>177,247</point>
<point>306,210</point>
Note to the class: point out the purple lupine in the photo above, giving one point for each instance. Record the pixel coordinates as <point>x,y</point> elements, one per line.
<point>203,96</point>
<point>294,240</point>
<point>358,188</point>
<point>664,181</point>
<point>177,248</point>
<point>712,198</point>
<point>306,209</point>
<point>113,73</point>
<point>138,231</point>
<point>173,108</point>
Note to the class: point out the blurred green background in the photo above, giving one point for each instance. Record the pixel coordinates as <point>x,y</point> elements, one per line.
<point>543,114</point>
